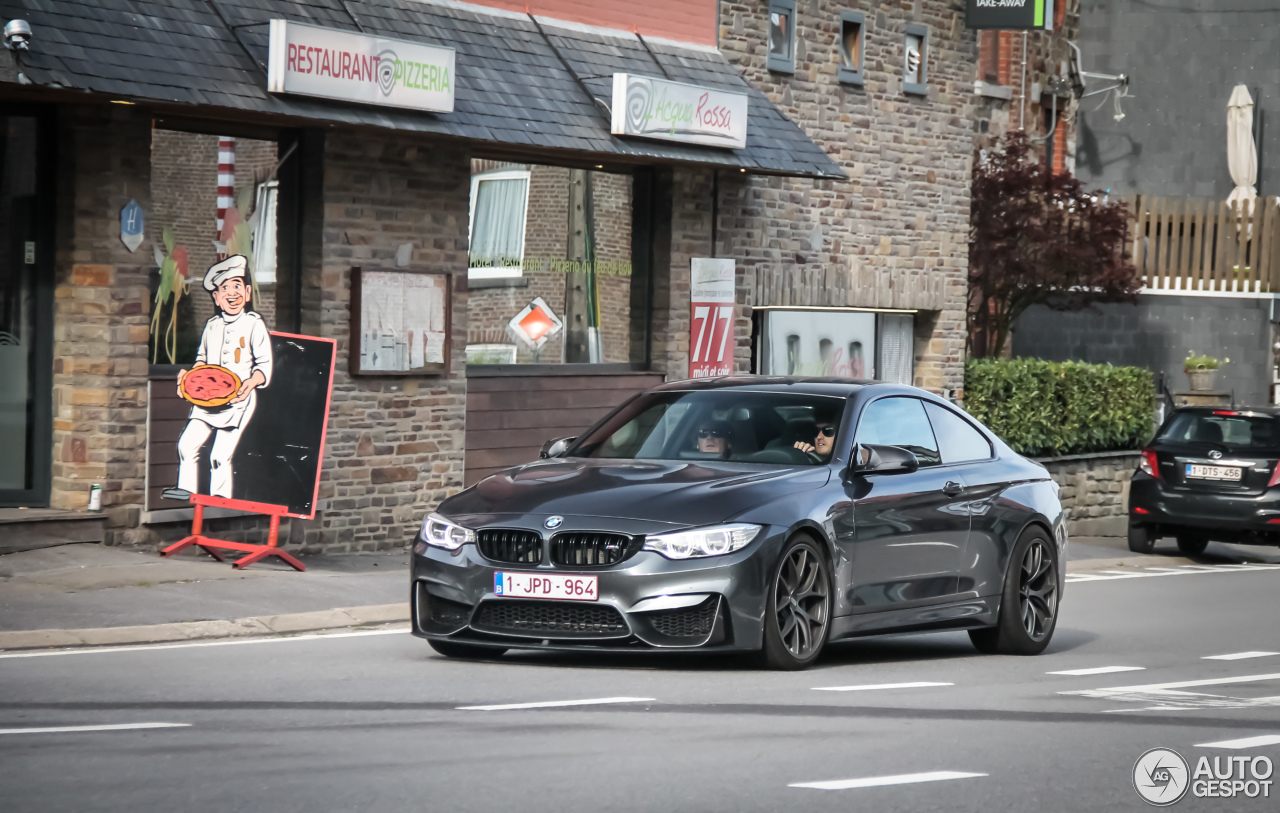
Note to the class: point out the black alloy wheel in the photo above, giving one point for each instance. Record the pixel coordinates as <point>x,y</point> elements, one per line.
<point>1029,606</point>
<point>799,607</point>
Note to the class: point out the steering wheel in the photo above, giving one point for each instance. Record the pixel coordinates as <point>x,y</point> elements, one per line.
<point>814,456</point>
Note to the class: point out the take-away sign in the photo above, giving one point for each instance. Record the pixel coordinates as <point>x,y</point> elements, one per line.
<point>710,317</point>
<point>1010,15</point>
<point>352,67</point>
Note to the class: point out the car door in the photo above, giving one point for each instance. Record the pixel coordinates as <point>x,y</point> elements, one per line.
<point>909,529</point>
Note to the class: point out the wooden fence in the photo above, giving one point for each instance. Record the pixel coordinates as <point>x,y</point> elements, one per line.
<point>1189,244</point>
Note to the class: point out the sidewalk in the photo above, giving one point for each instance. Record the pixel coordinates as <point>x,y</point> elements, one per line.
<point>90,595</point>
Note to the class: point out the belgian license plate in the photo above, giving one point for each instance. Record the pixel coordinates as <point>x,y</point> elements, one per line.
<point>546,585</point>
<point>1197,472</point>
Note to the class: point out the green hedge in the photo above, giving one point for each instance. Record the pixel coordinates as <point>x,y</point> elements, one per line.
<point>1048,408</point>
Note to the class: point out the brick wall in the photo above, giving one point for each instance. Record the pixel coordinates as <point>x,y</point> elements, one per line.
<point>395,444</point>
<point>101,316</point>
<point>897,230</point>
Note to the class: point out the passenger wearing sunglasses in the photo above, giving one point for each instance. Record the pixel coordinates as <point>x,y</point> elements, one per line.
<point>824,441</point>
<point>714,438</point>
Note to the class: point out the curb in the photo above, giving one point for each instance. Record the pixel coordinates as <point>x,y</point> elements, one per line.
<point>338,618</point>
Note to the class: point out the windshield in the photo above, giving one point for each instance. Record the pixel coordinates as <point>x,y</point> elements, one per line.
<point>745,427</point>
<point>1225,429</point>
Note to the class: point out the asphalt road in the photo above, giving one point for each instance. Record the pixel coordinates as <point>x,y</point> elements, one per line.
<point>371,721</point>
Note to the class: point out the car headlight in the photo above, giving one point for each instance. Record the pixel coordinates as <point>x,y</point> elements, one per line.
<point>442,533</point>
<point>714,540</point>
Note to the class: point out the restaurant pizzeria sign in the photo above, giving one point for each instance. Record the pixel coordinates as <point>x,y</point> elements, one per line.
<point>673,111</point>
<point>351,67</point>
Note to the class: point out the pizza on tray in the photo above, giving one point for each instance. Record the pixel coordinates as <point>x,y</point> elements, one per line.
<point>210,385</point>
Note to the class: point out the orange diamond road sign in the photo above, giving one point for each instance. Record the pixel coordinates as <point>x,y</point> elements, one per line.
<point>535,324</point>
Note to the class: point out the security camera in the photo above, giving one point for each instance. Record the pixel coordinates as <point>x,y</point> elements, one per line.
<point>17,33</point>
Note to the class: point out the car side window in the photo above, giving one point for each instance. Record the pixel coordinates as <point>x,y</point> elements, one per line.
<point>958,441</point>
<point>901,422</point>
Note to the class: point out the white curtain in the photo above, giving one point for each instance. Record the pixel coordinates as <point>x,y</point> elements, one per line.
<point>498,229</point>
<point>1242,153</point>
<point>896,355</point>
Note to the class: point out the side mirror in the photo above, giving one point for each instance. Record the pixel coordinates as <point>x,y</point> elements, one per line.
<point>870,458</point>
<point>555,447</point>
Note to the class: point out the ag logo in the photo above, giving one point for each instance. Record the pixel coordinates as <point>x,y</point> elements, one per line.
<point>554,522</point>
<point>1215,454</point>
<point>1161,776</point>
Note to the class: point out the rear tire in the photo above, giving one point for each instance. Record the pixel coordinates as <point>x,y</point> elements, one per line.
<point>1029,604</point>
<point>798,608</point>
<point>1142,538</point>
<point>455,649</point>
<point>1192,544</point>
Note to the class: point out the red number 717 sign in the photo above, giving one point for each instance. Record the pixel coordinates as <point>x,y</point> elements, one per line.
<point>711,345</point>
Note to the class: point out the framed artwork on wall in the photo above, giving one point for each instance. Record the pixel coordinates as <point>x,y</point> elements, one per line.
<point>399,322</point>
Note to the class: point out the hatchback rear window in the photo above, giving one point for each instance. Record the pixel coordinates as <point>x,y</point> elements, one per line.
<point>1232,430</point>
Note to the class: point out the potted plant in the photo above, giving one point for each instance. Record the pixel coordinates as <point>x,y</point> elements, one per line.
<point>1201,370</point>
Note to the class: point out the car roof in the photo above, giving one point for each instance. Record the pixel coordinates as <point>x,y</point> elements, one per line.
<point>840,387</point>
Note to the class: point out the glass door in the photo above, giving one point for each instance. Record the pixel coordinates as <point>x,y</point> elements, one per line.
<point>26,330</point>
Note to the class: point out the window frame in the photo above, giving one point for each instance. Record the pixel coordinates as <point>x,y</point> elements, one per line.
<point>848,75</point>
<point>921,87</point>
<point>969,422</point>
<point>489,272</point>
<point>862,414</point>
<point>779,64</point>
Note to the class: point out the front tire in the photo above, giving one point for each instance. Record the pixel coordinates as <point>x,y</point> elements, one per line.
<point>1029,604</point>
<point>798,608</point>
<point>455,649</point>
<point>1142,538</point>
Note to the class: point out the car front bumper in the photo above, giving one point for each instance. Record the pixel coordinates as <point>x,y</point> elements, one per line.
<point>711,603</point>
<point>1229,517</point>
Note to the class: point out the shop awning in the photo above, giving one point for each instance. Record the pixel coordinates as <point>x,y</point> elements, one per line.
<point>538,86</point>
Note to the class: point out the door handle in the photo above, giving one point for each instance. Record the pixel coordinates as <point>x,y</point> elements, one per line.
<point>952,488</point>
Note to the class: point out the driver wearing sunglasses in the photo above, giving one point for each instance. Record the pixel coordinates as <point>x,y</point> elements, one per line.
<point>714,438</point>
<point>824,441</point>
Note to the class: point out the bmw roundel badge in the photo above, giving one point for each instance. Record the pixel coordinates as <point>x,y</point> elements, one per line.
<point>553,522</point>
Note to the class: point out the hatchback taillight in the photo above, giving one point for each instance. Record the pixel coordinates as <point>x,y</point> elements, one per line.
<point>1150,465</point>
<point>1275,477</point>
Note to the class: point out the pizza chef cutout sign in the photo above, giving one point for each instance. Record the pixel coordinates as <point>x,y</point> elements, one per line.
<point>259,407</point>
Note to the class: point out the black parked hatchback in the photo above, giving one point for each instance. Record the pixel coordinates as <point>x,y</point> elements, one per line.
<point>1209,475</point>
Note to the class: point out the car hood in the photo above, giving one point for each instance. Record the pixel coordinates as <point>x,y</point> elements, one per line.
<point>677,492</point>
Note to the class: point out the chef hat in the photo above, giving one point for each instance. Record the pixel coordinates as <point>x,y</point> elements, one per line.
<point>234,266</point>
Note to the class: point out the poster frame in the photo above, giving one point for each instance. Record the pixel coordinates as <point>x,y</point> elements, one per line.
<point>428,369</point>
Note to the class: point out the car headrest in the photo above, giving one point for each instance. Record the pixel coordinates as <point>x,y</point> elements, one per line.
<point>1207,432</point>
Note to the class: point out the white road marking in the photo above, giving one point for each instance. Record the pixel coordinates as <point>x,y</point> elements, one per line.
<point>1168,694</point>
<point>1098,670</point>
<point>69,728</point>
<point>1238,656</point>
<point>879,781</point>
<point>917,685</point>
<point>1247,742</point>
<point>1183,684</point>
<point>557,703</point>
<point>1152,572</point>
<point>43,653</point>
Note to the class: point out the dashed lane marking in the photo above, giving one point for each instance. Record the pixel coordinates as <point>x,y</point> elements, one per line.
<point>557,703</point>
<point>66,729</point>
<point>1155,572</point>
<point>880,781</point>
<point>873,687</point>
<point>1247,742</point>
<point>1238,656</point>
<point>1098,670</point>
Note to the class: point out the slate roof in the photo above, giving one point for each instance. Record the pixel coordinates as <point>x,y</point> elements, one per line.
<point>511,86</point>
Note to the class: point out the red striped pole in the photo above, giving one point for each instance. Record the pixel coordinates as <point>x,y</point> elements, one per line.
<point>226,178</point>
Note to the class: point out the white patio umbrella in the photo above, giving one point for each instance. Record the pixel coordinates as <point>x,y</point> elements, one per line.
<point>1242,154</point>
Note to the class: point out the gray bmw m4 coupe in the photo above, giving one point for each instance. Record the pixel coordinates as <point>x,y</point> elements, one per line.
<point>758,514</point>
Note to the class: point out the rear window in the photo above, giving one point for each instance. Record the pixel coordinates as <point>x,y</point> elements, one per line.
<point>1233,431</point>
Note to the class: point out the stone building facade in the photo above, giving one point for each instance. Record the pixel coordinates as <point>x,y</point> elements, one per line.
<point>895,232</point>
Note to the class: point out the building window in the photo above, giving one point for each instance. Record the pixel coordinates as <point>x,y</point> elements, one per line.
<point>915,60</point>
<point>499,206</point>
<point>782,36</point>
<point>852,27</point>
<point>989,57</point>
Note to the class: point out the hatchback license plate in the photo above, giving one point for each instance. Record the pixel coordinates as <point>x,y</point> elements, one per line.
<point>546,585</point>
<point>1196,472</point>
